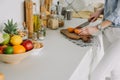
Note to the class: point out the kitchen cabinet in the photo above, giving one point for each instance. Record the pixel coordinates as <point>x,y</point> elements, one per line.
<point>60,59</point>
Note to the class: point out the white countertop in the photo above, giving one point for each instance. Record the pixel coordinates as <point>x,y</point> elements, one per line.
<point>59,59</point>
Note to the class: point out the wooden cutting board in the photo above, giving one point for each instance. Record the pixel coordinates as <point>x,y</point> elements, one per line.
<point>84,38</point>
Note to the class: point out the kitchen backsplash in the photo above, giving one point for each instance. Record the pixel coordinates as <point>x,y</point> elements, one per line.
<point>14,9</point>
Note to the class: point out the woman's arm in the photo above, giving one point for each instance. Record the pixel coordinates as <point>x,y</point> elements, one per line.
<point>105,24</point>
<point>114,17</point>
<point>91,30</point>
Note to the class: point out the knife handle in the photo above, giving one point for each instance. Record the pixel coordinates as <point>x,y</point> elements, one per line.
<point>92,19</point>
<point>78,27</point>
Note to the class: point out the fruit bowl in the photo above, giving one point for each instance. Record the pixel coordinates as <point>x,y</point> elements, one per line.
<point>14,58</point>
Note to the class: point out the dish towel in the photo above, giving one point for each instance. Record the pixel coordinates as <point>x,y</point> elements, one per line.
<point>90,60</point>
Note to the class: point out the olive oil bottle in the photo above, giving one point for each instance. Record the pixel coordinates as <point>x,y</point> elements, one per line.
<point>36,19</point>
<point>37,22</point>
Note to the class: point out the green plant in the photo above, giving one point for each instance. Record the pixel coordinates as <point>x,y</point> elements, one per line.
<point>10,27</point>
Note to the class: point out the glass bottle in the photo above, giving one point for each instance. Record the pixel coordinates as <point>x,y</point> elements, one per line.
<point>36,18</point>
<point>44,18</point>
<point>59,8</point>
<point>25,31</point>
<point>59,14</point>
<point>41,33</point>
<point>34,38</point>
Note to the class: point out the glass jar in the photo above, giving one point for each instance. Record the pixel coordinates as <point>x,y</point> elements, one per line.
<point>61,20</point>
<point>41,33</point>
<point>69,14</point>
<point>35,36</point>
<point>53,22</point>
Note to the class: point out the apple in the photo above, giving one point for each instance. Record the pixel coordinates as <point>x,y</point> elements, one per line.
<point>27,44</point>
<point>2,48</point>
<point>6,38</point>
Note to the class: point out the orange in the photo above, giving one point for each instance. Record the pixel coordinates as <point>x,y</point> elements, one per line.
<point>77,31</point>
<point>70,29</point>
<point>18,49</point>
<point>16,40</point>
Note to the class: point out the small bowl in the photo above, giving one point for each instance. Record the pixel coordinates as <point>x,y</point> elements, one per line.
<point>14,58</point>
<point>37,51</point>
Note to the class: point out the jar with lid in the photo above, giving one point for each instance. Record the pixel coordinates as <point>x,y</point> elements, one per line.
<point>53,22</point>
<point>61,20</point>
<point>68,14</point>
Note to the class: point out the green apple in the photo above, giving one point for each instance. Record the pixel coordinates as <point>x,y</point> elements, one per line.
<point>6,38</point>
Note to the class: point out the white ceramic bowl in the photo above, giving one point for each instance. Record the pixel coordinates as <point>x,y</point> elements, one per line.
<point>37,52</point>
<point>14,58</point>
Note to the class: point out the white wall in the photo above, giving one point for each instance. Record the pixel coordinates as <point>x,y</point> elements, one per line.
<point>13,9</point>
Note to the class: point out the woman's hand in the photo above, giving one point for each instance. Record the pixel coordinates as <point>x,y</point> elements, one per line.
<point>88,30</point>
<point>94,16</point>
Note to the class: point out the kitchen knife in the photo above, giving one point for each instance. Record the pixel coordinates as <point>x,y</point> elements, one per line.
<point>84,24</point>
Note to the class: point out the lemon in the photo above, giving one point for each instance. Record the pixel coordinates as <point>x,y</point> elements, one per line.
<point>16,40</point>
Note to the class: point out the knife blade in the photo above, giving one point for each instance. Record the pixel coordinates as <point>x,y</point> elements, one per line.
<point>84,24</point>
